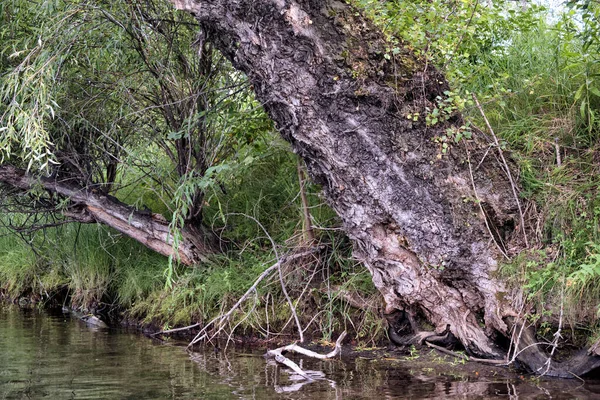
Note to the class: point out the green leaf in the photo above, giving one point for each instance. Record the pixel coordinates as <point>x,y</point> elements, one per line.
<point>175,135</point>
<point>579,92</point>
<point>594,90</point>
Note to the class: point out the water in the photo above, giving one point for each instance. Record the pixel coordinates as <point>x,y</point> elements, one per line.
<point>56,357</point>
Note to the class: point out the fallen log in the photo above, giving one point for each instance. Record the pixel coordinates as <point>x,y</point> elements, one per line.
<point>86,205</point>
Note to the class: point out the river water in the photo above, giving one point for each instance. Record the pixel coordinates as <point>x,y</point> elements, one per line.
<point>54,356</point>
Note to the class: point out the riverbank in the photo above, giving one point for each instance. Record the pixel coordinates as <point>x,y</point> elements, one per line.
<point>246,320</point>
<point>101,285</point>
<point>121,281</point>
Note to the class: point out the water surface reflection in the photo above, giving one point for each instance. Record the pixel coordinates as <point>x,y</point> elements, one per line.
<point>56,357</point>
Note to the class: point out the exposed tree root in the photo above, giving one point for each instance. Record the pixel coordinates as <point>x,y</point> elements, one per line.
<point>526,352</point>
<point>404,331</point>
<point>445,339</point>
<point>530,355</point>
<point>464,356</point>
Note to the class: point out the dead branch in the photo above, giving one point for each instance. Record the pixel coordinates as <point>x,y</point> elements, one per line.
<point>307,231</point>
<point>309,353</point>
<point>487,225</point>
<point>220,320</point>
<point>282,283</point>
<point>184,328</point>
<point>280,358</point>
<point>89,205</point>
<point>507,169</point>
<point>354,299</point>
<point>293,366</point>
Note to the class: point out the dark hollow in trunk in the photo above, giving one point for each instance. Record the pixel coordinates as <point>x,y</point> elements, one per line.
<point>94,206</point>
<point>354,110</point>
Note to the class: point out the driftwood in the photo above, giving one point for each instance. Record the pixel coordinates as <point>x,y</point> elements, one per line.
<point>277,355</point>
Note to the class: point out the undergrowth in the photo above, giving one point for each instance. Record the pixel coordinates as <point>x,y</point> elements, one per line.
<point>530,95</point>
<point>100,270</point>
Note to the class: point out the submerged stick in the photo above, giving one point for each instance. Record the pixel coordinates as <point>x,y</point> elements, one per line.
<point>292,365</point>
<point>183,328</point>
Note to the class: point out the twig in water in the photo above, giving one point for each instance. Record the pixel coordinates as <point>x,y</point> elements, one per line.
<point>185,328</point>
<point>278,356</point>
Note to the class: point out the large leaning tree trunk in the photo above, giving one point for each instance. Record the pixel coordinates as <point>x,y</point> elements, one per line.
<point>86,205</point>
<point>347,104</point>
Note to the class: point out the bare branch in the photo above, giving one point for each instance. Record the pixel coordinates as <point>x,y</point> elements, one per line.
<point>280,358</point>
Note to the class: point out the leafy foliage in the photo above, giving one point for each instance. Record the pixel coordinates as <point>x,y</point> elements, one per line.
<point>128,98</point>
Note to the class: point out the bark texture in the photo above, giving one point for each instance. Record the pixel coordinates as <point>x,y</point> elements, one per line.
<point>90,206</point>
<point>347,103</point>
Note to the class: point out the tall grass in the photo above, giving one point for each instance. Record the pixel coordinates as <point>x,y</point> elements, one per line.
<point>530,93</point>
<point>99,267</point>
<point>90,261</point>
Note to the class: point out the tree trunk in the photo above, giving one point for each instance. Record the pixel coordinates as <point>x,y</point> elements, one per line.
<point>355,110</point>
<point>89,206</point>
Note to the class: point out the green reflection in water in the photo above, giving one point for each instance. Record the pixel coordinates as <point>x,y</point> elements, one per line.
<point>56,357</point>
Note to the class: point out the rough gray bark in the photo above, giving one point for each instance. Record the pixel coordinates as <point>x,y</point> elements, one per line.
<point>90,206</point>
<point>341,98</point>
